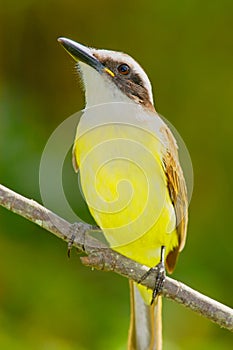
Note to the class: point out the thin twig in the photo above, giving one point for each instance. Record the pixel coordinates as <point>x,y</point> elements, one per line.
<point>103,258</point>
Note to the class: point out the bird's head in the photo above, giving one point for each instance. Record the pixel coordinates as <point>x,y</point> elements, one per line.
<point>110,76</point>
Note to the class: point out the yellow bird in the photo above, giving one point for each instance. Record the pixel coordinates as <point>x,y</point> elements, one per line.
<point>130,175</point>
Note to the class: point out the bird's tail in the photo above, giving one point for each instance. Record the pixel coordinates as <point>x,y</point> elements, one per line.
<point>145,332</point>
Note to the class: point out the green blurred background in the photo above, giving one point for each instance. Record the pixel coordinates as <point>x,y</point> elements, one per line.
<point>48,302</point>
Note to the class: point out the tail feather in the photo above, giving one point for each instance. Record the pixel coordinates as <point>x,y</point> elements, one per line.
<point>145,332</point>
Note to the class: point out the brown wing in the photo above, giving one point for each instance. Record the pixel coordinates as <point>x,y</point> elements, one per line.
<point>178,194</point>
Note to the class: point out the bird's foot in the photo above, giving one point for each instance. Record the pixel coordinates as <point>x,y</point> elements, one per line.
<point>160,272</point>
<point>76,229</point>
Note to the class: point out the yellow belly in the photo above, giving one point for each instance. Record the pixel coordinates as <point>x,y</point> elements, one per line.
<point>124,184</point>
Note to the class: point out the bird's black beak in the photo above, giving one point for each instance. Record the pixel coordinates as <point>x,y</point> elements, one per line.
<point>84,54</point>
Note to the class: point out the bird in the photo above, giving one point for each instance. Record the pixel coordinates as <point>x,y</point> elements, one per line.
<point>131,177</point>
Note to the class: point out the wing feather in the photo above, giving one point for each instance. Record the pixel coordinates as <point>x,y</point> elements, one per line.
<point>178,194</point>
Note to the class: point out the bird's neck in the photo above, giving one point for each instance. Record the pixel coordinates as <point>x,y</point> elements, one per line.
<point>98,90</point>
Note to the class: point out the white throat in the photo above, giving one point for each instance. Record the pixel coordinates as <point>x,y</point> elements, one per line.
<point>98,89</point>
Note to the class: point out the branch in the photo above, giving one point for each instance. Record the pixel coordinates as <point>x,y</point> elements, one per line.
<point>103,258</point>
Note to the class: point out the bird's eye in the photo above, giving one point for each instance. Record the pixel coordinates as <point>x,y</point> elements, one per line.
<point>123,69</point>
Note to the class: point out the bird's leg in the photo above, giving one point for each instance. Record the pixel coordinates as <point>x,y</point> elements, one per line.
<point>79,229</point>
<point>70,245</point>
<point>159,269</point>
<point>76,229</point>
<point>161,275</point>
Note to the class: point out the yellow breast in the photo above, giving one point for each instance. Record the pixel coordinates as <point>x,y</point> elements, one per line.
<point>124,184</point>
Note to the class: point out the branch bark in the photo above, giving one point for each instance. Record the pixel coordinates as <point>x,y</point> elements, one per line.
<point>102,257</point>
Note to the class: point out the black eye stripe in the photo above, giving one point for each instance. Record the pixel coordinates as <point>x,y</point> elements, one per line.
<point>136,79</point>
